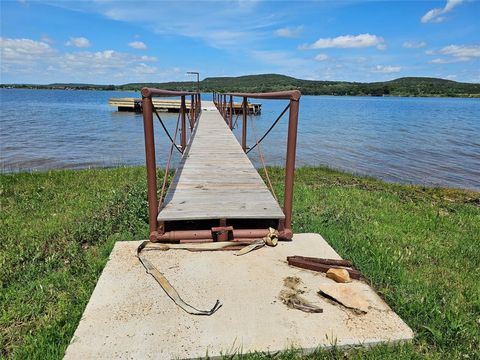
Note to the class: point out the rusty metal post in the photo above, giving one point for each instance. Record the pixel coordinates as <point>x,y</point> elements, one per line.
<point>183,139</point>
<point>244,123</point>
<point>225,106</point>
<point>221,104</point>
<point>192,112</point>
<point>151,165</point>
<point>290,163</point>
<point>230,118</point>
<point>199,102</point>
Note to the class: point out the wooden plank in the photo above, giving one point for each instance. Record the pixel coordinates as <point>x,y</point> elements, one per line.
<point>215,179</point>
<point>171,104</point>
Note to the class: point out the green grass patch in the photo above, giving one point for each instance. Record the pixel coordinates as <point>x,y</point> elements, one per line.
<point>419,247</point>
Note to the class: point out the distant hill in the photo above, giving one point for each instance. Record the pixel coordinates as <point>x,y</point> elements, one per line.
<point>407,86</point>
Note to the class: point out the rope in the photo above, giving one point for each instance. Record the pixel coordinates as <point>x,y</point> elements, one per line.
<point>169,289</point>
<point>271,127</point>
<point>262,158</point>
<point>271,239</point>
<point>167,167</point>
<point>165,129</point>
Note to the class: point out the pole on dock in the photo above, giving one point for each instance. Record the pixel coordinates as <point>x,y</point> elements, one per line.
<point>192,112</point>
<point>183,139</point>
<point>151,165</point>
<point>290,162</point>
<point>230,119</point>
<point>244,123</point>
<point>224,106</point>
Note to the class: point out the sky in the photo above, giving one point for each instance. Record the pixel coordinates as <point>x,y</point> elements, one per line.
<point>118,42</point>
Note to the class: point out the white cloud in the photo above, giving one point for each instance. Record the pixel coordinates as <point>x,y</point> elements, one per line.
<point>79,42</point>
<point>289,32</point>
<point>321,57</point>
<point>436,15</point>
<point>214,27</point>
<point>20,51</point>
<point>46,39</point>
<point>39,61</point>
<point>102,61</point>
<point>461,51</point>
<point>145,69</point>
<point>137,45</point>
<point>348,41</point>
<point>386,69</point>
<point>443,61</point>
<point>414,44</point>
<point>455,53</point>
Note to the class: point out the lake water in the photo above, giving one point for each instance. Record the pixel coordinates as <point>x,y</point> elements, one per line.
<point>431,141</point>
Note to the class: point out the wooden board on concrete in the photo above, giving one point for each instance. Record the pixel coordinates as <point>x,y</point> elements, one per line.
<point>216,180</point>
<point>130,317</point>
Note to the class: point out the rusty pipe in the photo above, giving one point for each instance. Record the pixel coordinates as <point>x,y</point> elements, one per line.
<point>230,118</point>
<point>192,112</point>
<point>290,162</point>
<point>150,163</point>
<point>287,95</point>
<point>151,92</point>
<point>183,138</point>
<point>244,124</point>
<point>204,235</point>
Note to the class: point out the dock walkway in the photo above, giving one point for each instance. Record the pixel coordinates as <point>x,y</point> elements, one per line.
<point>215,179</point>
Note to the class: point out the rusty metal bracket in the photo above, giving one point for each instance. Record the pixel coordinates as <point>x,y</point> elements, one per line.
<point>222,233</point>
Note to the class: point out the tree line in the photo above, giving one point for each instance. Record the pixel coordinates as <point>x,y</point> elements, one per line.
<point>407,86</point>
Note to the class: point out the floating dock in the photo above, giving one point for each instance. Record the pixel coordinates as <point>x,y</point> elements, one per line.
<point>164,105</point>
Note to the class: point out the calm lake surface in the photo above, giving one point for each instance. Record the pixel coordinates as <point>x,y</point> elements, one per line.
<point>431,141</point>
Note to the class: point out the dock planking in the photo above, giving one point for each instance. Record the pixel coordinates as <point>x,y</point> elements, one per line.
<point>215,178</point>
<point>166,105</point>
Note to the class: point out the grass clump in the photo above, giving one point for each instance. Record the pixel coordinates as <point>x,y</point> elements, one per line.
<point>419,247</point>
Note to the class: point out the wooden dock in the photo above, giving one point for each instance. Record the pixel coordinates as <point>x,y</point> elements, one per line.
<point>215,179</point>
<point>216,193</point>
<point>165,105</point>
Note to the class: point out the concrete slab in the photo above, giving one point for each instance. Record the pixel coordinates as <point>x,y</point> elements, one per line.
<point>129,315</point>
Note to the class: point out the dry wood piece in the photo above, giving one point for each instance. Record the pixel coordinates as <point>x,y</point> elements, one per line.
<point>315,265</point>
<point>336,262</point>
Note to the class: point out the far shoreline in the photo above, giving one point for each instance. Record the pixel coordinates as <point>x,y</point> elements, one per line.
<point>426,96</point>
<point>261,83</point>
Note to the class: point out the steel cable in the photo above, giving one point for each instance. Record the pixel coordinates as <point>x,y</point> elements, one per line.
<point>257,144</point>
<point>165,129</point>
<point>271,127</point>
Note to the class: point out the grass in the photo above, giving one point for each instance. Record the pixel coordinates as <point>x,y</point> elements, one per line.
<point>419,248</point>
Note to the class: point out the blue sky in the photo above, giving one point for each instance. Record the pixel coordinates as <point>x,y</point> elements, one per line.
<point>116,42</point>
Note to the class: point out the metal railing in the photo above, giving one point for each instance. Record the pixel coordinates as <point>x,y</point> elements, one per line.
<point>148,111</point>
<point>225,105</point>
